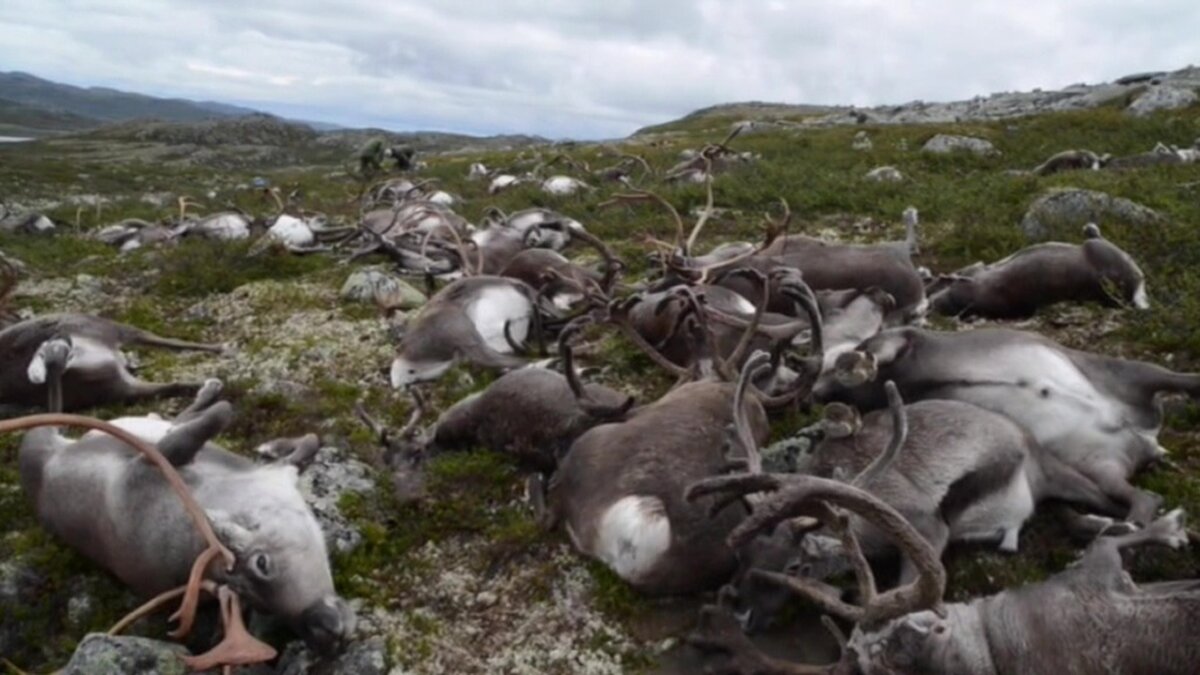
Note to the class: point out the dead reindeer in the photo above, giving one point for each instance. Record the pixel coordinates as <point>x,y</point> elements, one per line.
<point>303,233</point>
<point>134,233</point>
<point>956,472</point>
<point>1072,160</point>
<point>624,170</point>
<point>712,159</point>
<point>1095,414</point>
<point>102,499</point>
<point>563,282</point>
<point>618,492</point>
<point>1041,275</point>
<point>81,356</point>
<point>1045,628</point>
<point>532,414</point>
<point>221,226</point>
<point>837,266</point>
<point>731,326</point>
<point>482,320</point>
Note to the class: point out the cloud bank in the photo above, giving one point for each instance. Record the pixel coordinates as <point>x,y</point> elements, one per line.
<point>584,69</point>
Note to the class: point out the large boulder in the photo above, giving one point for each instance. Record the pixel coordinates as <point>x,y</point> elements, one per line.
<point>1162,97</point>
<point>373,285</point>
<point>944,144</point>
<point>1063,212</point>
<point>101,654</point>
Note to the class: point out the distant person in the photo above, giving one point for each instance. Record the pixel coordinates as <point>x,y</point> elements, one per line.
<point>371,156</point>
<point>403,155</point>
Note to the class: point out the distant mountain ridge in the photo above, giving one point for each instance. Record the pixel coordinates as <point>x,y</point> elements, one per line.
<point>103,104</point>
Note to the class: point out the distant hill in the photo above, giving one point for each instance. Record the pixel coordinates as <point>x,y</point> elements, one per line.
<point>107,105</point>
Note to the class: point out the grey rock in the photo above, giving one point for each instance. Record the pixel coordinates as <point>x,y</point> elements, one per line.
<point>1066,211</point>
<point>862,142</point>
<point>373,285</point>
<point>19,585</point>
<point>331,475</point>
<point>100,654</point>
<point>946,143</point>
<point>1138,78</point>
<point>367,657</point>
<point>1162,97</point>
<point>884,174</point>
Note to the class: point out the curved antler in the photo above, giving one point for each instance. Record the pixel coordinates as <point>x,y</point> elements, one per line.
<point>795,495</point>
<point>215,549</point>
<point>899,435</point>
<point>585,400</point>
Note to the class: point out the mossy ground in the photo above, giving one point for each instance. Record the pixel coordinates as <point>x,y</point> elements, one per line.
<point>304,357</point>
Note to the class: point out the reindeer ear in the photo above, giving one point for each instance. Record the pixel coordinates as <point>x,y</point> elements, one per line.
<point>231,533</point>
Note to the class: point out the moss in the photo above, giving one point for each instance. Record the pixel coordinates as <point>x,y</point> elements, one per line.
<point>613,596</point>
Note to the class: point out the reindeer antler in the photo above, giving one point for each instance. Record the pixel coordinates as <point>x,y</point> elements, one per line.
<point>795,495</point>
<point>586,401</point>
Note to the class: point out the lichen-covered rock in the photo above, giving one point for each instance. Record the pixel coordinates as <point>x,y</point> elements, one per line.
<point>376,286</point>
<point>884,174</point>
<point>331,475</point>
<point>947,143</point>
<point>1162,97</point>
<point>368,657</point>
<point>19,584</point>
<point>1065,211</point>
<point>101,654</point>
<point>862,142</point>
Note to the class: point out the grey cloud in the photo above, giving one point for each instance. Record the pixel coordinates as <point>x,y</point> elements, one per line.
<point>584,69</point>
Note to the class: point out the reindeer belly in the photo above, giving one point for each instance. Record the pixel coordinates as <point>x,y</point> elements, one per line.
<point>998,515</point>
<point>1043,391</point>
<point>496,306</point>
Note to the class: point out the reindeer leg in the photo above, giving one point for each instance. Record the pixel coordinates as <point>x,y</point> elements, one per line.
<point>1111,479</point>
<point>1101,562</point>
<point>205,398</point>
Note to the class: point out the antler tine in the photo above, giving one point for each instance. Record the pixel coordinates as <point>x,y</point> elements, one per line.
<point>648,196</point>
<point>752,328</point>
<point>589,405</point>
<point>758,363</point>
<point>899,435</point>
<point>618,314</point>
<point>719,631</point>
<point>708,208</point>
<point>794,288</point>
<point>417,413</point>
<point>776,228</point>
<point>738,485</point>
<point>380,431</point>
<point>640,160</point>
<point>274,192</point>
<point>611,262</point>
<point>799,496</point>
<point>699,305</point>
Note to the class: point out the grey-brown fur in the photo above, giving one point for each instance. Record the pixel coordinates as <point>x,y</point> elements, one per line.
<point>103,499</point>
<point>99,376</point>
<point>1041,275</point>
<point>1071,160</point>
<point>656,452</point>
<point>1096,414</point>
<point>1091,618</point>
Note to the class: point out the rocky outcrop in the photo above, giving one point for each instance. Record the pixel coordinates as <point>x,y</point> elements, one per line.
<point>332,475</point>
<point>1065,211</point>
<point>100,654</point>
<point>1162,97</point>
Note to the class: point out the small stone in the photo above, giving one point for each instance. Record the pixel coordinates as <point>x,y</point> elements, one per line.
<point>101,654</point>
<point>486,599</point>
<point>884,174</point>
<point>862,142</point>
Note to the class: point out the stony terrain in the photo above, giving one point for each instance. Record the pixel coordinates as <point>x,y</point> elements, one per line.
<point>465,582</point>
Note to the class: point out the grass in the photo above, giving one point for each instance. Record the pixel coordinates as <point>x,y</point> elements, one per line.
<point>970,209</point>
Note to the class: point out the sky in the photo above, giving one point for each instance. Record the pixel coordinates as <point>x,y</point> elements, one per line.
<point>580,69</point>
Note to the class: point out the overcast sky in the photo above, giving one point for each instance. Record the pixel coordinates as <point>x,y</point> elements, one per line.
<point>584,69</point>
